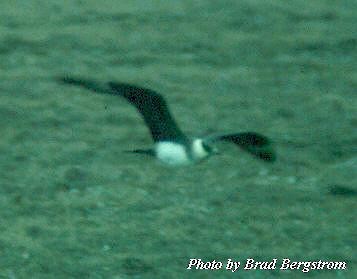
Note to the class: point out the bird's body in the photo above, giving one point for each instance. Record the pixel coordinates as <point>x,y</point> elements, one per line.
<point>171,145</point>
<point>173,153</point>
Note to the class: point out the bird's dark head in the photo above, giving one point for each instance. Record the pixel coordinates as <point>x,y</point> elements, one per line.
<point>209,149</point>
<point>201,149</point>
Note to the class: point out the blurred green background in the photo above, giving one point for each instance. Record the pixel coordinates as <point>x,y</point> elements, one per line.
<point>73,205</point>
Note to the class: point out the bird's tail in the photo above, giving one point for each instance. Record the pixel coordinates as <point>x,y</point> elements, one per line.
<point>149,152</point>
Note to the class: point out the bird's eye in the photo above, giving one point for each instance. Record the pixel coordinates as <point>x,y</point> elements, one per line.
<point>206,147</point>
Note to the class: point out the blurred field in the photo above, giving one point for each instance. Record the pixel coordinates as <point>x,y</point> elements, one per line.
<point>73,205</point>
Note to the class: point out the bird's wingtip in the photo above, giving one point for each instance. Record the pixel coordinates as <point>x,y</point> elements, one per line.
<point>266,155</point>
<point>256,144</point>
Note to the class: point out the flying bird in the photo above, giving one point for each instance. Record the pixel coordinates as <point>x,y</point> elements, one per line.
<point>171,145</point>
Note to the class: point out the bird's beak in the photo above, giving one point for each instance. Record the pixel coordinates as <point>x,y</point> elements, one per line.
<point>215,151</point>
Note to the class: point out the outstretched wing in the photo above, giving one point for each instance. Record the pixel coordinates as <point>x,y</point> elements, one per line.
<point>254,143</point>
<point>150,104</point>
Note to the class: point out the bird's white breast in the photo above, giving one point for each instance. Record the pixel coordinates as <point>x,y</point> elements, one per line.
<point>172,153</point>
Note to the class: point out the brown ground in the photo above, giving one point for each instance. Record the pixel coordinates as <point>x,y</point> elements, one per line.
<point>73,205</point>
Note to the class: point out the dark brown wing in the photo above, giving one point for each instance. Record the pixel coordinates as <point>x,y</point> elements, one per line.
<point>254,143</point>
<point>150,104</point>
<point>154,110</point>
